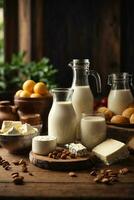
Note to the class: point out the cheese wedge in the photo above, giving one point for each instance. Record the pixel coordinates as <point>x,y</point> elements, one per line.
<point>111,151</point>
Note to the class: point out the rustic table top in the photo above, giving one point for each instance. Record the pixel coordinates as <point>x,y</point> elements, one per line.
<point>46,184</point>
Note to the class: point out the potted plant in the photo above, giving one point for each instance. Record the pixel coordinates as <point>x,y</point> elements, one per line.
<point>13,74</point>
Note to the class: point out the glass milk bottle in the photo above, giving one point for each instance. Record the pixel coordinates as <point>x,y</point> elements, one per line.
<point>82,97</point>
<point>120,95</point>
<point>62,118</point>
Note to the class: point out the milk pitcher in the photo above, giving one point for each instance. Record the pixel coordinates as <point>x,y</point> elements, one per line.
<point>62,118</point>
<point>82,98</point>
<point>120,95</point>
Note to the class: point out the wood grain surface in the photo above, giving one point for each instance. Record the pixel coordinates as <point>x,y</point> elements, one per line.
<point>46,184</point>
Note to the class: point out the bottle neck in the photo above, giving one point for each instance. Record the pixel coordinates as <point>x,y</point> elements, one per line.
<point>62,94</point>
<point>116,85</point>
<point>80,77</point>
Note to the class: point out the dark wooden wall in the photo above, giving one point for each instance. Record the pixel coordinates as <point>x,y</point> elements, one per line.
<point>101,30</point>
<point>127,36</point>
<point>83,29</point>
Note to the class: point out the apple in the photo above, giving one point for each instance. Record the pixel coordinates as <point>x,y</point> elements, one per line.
<point>103,101</point>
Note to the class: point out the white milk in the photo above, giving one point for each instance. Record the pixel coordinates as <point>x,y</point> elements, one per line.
<point>93,130</point>
<point>62,122</point>
<point>118,100</point>
<point>82,101</point>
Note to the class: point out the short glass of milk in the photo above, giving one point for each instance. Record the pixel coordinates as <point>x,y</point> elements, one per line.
<point>93,129</point>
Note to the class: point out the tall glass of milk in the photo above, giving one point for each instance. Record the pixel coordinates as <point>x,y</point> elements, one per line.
<point>93,129</point>
<point>82,98</point>
<point>62,119</point>
<point>120,95</point>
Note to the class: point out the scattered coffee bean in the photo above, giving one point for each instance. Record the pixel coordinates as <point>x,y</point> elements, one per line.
<point>72,174</point>
<point>63,156</point>
<point>30,174</point>
<point>15,162</point>
<point>18,180</point>
<point>113,179</point>
<point>108,170</point>
<point>105,180</point>
<point>5,164</point>
<point>123,171</point>
<point>24,168</point>
<point>22,162</point>
<point>8,167</point>
<point>93,173</point>
<point>1,158</point>
<point>50,155</point>
<point>97,180</point>
<point>15,175</point>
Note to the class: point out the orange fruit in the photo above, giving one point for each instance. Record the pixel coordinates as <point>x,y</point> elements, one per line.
<point>25,94</point>
<point>28,86</point>
<point>40,88</point>
<point>17,94</point>
<point>36,95</point>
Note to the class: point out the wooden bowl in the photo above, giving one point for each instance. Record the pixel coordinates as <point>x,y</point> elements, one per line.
<point>28,106</point>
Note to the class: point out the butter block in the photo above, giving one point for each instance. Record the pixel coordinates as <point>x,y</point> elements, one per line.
<point>6,125</point>
<point>78,149</point>
<point>27,129</point>
<point>11,131</point>
<point>111,151</point>
<point>43,145</point>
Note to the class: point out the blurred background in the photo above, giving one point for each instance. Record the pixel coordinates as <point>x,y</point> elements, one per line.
<point>101,30</point>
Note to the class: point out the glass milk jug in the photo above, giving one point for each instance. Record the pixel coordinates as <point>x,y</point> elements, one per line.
<point>62,118</point>
<point>120,95</point>
<point>82,98</point>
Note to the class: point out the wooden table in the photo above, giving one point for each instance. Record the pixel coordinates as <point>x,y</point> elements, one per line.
<point>45,184</point>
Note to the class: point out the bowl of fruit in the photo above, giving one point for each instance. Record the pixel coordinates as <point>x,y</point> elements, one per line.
<point>33,98</point>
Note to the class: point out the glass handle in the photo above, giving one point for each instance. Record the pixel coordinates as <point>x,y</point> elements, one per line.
<point>97,79</point>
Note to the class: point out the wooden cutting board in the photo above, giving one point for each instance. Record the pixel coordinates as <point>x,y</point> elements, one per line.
<point>60,164</point>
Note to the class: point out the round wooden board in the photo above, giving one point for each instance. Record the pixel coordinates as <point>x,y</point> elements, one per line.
<point>59,164</point>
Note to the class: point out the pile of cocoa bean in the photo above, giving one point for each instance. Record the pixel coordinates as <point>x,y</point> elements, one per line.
<point>61,153</point>
<point>108,176</point>
<point>5,164</point>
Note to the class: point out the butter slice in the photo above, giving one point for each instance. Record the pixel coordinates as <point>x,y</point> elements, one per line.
<point>111,151</point>
<point>7,125</point>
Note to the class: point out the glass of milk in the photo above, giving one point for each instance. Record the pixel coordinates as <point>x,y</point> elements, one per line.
<point>93,129</point>
<point>62,118</point>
